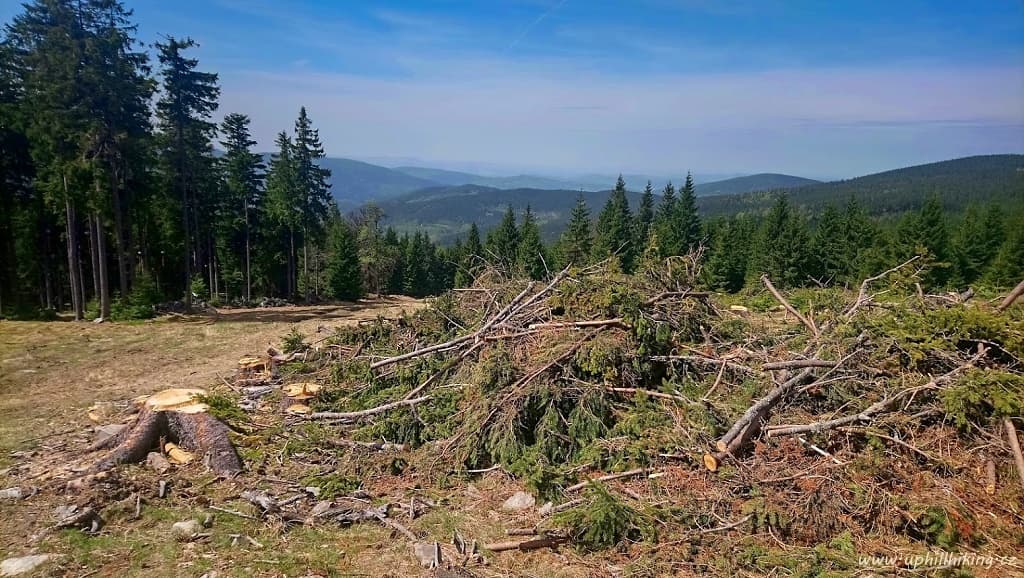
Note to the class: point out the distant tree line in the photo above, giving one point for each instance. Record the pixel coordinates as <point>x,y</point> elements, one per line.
<point>838,246</point>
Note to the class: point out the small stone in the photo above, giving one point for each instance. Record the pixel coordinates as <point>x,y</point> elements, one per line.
<point>473,492</point>
<point>157,462</point>
<point>320,508</point>
<point>23,565</point>
<point>313,491</point>
<point>519,501</point>
<point>64,512</point>
<point>187,529</point>
<point>14,493</point>
<point>105,432</point>
<point>546,509</point>
<point>428,553</point>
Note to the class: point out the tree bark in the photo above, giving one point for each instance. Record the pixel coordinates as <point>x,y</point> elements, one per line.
<point>101,248</point>
<point>248,266</point>
<point>94,253</point>
<point>74,276</point>
<point>119,237</point>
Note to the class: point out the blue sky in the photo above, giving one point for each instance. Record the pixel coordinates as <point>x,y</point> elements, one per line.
<point>821,89</point>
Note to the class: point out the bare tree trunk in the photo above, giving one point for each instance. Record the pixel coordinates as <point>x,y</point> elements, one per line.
<point>74,273</point>
<point>188,241</point>
<point>248,269</point>
<point>119,237</point>
<point>94,252</point>
<point>292,281</point>
<point>101,247</point>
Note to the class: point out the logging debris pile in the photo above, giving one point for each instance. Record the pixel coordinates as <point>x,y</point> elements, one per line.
<point>653,421</point>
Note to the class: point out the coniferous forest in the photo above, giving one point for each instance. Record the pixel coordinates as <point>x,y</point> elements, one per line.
<point>119,191</point>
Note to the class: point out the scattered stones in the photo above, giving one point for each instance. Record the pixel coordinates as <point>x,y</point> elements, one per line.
<point>428,554</point>
<point>186,530</point>
<point>14,493</point>
<point>23,565</point>
<point>105,432</point>
<point>157,462</point>
<point>320,509</point>
<point>519,501</point>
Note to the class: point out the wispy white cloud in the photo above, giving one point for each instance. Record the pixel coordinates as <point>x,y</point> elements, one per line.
<point>805,120</point>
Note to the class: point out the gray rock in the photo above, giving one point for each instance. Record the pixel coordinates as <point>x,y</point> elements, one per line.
<point>157,462</point>
<point>14,493</point>
<point>519,501</point>
<point>185,530</point>
<point>320,508</point>
<point>23,565</point>
<point>546,509</point>
<point>428,553</point>
<point>105,432</point>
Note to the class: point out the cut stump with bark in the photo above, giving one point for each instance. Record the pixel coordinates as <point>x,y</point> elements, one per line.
<point>175,416</point>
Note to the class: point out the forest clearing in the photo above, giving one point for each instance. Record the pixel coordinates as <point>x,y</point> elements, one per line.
<point>596,424</point>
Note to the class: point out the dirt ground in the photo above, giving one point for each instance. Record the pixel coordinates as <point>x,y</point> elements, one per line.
<point>68,366</point>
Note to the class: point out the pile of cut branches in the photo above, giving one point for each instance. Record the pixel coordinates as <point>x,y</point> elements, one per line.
<point>649,413</point>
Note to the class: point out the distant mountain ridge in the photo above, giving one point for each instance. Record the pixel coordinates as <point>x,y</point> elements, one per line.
<point>354,183</point>
<point>751,183</point>
<point>447,211</point>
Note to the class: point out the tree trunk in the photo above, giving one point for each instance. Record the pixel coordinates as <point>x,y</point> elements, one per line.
<point>305,261</point>
<point>248,269</point>
<point>74,274</point>
<point>119,237</point>
<point>188,242</point>
<point>292,282</point>
<point>101,247</point>
<point>94,253</point>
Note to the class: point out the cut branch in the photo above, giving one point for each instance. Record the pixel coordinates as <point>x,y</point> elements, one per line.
<point>608,478</point>
<point>778,296</point>
<point>1018,458</point>
<point>798,363</point>
<point>354,415</point>
<point>1013,296</point>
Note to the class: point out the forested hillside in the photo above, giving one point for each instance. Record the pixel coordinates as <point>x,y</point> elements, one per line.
<point>751,183</point>
<point>957,183</point>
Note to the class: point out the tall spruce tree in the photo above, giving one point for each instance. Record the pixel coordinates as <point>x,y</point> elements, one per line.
<point>343,277</point>
<point>576,243</point>
<point>831,259</point>
<point>670,241</point>
<point>644,217</point>
<point>503,241</point>
<point>188,99</point>
<point>614,229</point>
<point>781,248</point>
<point>469,258</point>
<point>283,205</point>
<point>531,256</point>
<point>314,188</point>
<point>686,221</point>
<point>243,181</point>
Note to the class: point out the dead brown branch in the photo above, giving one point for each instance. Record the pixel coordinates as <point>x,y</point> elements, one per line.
<point>1011,297</point>
<point>354,415</point>
<point>789,307</point>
